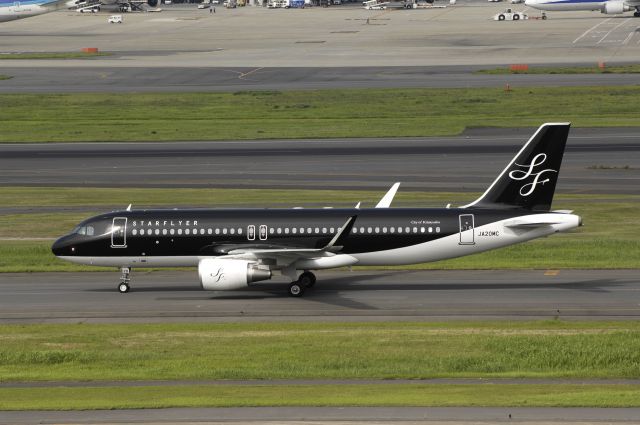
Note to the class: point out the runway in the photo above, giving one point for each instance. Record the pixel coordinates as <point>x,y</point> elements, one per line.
<point>595,161</point>
<point>48,79</point>
<point>338,296</point>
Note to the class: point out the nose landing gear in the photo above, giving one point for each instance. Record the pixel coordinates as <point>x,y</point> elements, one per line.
<point>123,286</point>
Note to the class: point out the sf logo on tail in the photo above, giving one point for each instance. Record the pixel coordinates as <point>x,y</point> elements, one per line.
<point>528,189</point>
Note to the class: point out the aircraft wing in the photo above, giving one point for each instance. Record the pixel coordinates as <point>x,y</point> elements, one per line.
<point>386,200</point>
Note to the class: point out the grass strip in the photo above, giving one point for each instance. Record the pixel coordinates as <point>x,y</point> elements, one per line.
<point>52,55</point>
<point>310,395</point>
<point>609,239</point>
<point>305,113</point>
<point>5,77</point>
<point>545,349</point>
<point>616,69</point>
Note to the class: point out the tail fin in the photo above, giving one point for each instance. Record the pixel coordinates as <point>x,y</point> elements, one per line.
<point>530,178</point>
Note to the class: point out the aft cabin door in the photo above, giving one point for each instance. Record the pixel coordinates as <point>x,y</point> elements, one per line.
<point>119,232</point>
<point>466,229</point>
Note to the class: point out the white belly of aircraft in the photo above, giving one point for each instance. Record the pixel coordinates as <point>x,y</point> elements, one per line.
<point>23,11</point>
<point>566,6</point>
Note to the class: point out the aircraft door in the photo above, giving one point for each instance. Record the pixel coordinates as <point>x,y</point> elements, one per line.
<point>263,232</point>
<point>251,232</point>
<point>119,232</point>
<point>466,229</point>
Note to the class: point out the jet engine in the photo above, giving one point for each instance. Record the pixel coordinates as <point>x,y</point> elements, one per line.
<point>614,7</point>
<point>152,3</point>
<point>227,275</point>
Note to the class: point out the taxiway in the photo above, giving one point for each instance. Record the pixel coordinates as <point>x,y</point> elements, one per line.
<point>596,161</point>
<point>338,296</point>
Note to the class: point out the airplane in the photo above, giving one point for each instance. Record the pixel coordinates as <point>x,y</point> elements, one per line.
<point>122,5</point>
<point>609,7</point>
<point>235,248</point>
<point>11,10</point>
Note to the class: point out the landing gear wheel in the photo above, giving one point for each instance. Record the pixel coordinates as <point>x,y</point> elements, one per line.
<point>307,279</point>
<point>296,289</point>
<point>123,287</point>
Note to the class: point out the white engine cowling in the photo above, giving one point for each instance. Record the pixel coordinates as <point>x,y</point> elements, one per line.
<point>226,275</point>
<point>615,7</point>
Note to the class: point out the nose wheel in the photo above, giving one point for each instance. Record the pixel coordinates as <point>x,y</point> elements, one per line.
<point>306,280</point>
<point>123,286</point>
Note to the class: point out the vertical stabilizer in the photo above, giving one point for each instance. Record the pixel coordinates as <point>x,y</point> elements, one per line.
<point>529,180</point>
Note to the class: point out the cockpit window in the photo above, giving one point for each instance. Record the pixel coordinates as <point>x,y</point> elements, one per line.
<point>84,230</point>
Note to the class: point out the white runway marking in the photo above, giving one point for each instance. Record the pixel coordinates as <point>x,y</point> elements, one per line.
<point>590,29</point>
<point>613,29</point>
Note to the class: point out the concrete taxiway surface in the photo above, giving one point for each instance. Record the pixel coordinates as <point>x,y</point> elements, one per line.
<point>596,161</point>
<point>334,415</point>
<point>203,79</point>
<point>464,34</point>
<point>338,296</point>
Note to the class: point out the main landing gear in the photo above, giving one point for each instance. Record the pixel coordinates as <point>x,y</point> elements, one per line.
<point>306,280</point>
<point>123,287</point>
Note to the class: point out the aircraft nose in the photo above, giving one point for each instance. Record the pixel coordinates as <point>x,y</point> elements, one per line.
<point>62,247</point>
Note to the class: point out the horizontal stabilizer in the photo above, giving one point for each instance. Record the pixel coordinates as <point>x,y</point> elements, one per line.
<point>530,223</point>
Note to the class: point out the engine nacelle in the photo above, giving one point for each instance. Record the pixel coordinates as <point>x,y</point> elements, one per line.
<point>614,7</point>
<point>152,3</point>
<point>227,275</point>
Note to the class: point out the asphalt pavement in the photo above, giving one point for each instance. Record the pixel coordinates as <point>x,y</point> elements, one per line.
<point>597,160</point>
<point>338,296</point>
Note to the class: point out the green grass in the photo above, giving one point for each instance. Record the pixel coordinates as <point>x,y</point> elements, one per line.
<point>87,352</point>
<point>616,69</point>
<point>5,77</point>
<point>52,55</point>
<point>609,239</point>
<point>305,114</point>
<point>325,395</point>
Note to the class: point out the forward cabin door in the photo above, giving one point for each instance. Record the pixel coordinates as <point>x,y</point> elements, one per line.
<point>119,232</point>
<point>466,229</point>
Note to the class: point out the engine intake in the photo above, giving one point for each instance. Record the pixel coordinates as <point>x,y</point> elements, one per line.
<point>227,275</point>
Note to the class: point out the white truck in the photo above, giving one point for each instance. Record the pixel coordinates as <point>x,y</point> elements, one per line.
<point>510,15</point>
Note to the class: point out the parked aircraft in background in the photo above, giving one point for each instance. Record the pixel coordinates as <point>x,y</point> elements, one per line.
<point>234,248</point>
<point>11,10</point>
<point>609,7</point>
